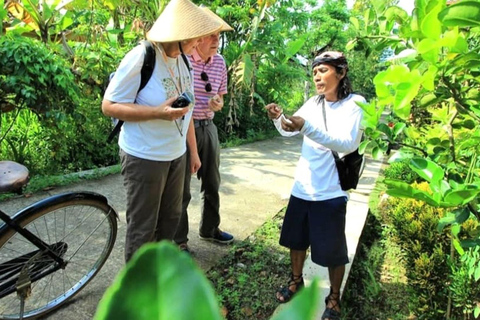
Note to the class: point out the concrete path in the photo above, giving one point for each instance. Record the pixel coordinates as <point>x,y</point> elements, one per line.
<point>256,183</point>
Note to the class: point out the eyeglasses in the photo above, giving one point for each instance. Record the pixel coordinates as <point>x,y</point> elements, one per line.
<point>204,77</point>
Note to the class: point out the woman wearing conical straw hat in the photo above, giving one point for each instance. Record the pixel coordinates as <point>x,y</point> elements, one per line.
<point>154,135</point>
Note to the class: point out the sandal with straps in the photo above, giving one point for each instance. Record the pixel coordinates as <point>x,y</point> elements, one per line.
<point>285,293</point>
<point>331,313</point>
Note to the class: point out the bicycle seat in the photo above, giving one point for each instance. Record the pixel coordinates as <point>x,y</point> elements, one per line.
<point>13,176</point>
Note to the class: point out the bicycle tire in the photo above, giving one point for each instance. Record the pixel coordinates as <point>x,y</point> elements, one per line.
<point>86,223</point>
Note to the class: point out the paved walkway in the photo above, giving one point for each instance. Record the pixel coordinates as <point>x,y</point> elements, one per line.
<point>256,183</point>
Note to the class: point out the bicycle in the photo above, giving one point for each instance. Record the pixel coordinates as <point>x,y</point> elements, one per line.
<point>51,249</point>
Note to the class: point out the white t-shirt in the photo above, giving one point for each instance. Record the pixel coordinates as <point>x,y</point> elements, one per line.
<point>316,176</point>
<point>158,140</point>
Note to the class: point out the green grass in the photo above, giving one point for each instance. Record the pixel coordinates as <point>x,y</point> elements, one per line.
<point>377,286</point>
<point>247,278</point>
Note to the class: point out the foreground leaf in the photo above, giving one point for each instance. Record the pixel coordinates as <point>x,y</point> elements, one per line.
<point>160,282</point>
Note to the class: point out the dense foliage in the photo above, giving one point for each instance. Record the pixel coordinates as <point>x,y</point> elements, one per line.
<point>429,86</point>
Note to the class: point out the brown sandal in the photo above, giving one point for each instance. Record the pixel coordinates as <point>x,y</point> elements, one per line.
<point>285,293</point>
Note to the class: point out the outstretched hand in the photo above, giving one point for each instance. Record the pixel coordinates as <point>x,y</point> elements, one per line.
<point>292,123</point>
<point>273,110</point>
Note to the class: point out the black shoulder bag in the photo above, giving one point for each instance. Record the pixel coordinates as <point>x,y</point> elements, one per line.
<point>350,166</point>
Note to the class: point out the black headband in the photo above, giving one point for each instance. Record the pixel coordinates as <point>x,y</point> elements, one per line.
<point>340,62</point>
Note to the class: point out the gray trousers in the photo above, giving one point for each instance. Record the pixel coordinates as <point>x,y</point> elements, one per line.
<point>154,199</point>
<point>208,147</point>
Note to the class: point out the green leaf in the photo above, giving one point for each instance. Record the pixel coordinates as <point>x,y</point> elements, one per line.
<point>382,127</point>
<point>355,24</point>
<point>428,48</point>
<point>399,126</point>
<point>457,246</point>
<point>461,14</point>
<point>152,285</point>
<point>293,47</point>
<point>66,21</point>
<point>405,91</point>
<point>431,26</point>
<point>303,306</point>
<point>351,44</point>
<point>477,276</point>
<point>428,99</point>
<point>461,197</point>
<point>377,153</point>
<point>470,243</point>
<point>245,71</point>
<point>428,78</point>
<point>397,14</point>
<point>454,40</point>
<point>404,190</point>
<point>363,146</point>
<point>445,221</point>
<point>427,169</point>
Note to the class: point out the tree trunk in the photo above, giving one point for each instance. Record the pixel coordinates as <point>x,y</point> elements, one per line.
<point>116,25</point>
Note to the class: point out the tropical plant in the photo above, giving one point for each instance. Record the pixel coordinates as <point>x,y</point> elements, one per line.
<point>160,282</point>
<point>430,86</point>
<point>33,78</point>
<point>47,19</point>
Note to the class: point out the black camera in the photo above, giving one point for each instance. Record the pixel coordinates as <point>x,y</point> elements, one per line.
<point>183,100</point>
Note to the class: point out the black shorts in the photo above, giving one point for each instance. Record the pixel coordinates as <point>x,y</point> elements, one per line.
<point>320,225</point>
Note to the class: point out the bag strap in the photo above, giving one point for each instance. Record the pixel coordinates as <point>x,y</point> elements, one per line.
<point>145,75</point>
<point>335,153</point>
<point>324,114</point>
<point>185,60</point>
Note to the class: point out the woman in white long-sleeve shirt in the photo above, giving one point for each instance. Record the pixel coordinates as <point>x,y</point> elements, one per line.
<point>315,215</point>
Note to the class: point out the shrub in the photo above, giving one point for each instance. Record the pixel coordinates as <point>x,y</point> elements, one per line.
<point>465,283</point>
<point>414,227</point>
<point>33,77</point>
<point>400,170</point>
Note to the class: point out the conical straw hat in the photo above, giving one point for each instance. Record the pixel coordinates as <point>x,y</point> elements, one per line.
<point>183,20</point>
<point>225,26</point>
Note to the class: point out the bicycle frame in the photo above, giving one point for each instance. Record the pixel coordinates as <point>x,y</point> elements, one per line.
<point>13,223</point>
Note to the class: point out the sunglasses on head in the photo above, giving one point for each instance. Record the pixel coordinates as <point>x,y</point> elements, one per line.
<point>204,77</point>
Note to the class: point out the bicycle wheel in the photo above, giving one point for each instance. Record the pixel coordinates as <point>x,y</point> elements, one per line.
<point>83,226</point>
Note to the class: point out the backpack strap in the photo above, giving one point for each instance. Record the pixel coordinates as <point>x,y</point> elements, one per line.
<point>145,75</point>
<point>148,64</point>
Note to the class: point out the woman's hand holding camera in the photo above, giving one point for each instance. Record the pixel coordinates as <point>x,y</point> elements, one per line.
<point>166,112</point>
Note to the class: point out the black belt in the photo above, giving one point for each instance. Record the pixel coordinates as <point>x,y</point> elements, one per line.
<point>202,123</point>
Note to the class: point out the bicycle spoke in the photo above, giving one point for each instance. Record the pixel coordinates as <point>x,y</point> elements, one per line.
<point>77,226</point>
<point>98,226</point>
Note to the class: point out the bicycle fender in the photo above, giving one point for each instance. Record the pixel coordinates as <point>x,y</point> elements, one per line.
<point>59,198</point>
